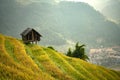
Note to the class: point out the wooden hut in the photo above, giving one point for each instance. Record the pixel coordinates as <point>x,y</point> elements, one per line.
<point>30,35</point>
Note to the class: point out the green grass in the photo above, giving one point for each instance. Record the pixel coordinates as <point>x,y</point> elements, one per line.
<point>10,49</point>
<point>32,62</point>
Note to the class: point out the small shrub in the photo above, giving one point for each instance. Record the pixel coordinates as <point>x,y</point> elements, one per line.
<point>50,47</point>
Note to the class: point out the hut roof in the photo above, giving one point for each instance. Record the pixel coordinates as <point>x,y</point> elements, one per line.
<point>25,32</point>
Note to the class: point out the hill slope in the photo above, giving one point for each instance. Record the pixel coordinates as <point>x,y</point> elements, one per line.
<point>32,62</point>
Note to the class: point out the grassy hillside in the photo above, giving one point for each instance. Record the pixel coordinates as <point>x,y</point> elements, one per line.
<point>32,62</point>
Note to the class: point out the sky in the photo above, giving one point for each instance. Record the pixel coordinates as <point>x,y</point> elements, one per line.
<point>97,4</point>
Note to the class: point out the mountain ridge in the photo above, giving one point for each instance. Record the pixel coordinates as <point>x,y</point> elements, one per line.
<point>27,62</point>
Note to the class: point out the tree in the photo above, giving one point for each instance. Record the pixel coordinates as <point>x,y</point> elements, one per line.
<point>69,53</point>
<point>79,52</point>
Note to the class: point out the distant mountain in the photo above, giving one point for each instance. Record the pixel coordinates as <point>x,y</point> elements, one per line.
<point>19,61</point>
<point>82,23</point>
<point>112,10</point>
<point>69,20</point>
<point>15,18</point>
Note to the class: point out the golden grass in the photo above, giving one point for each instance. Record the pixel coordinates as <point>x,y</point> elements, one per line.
<point>47,64</point>
<point>64,65</point>
<point>32,62</point>
<point>25,69</point>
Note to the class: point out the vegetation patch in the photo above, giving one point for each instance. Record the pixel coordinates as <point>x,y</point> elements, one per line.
<point>20,61</point>
<point>10,49</point>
